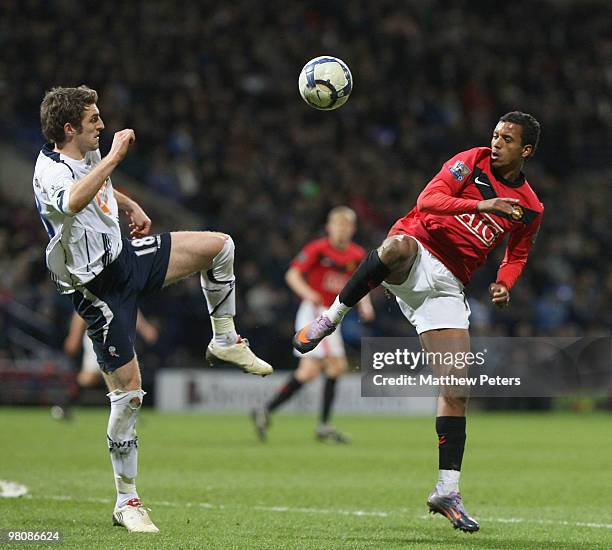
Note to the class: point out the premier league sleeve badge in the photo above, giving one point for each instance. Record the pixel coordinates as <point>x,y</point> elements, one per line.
<point>459,170</point>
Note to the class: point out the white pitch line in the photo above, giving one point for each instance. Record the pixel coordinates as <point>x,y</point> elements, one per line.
<point>320,511</point>
<point>288,509</point>
<point>11,489</point>
<point>546,522</point>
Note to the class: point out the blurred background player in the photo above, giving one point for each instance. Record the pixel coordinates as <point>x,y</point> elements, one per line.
<point>316,275</point>
<point>106,275</point>
<point>478,198</point>
<point>89,375</point>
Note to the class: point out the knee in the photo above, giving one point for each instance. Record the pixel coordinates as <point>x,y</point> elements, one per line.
<point>452,405</point>
<point>87,379</point>
<point>229,245</point>
<point>125,406</point>
<point>336,369</point>
<point>336,373</point>
<point>224,246</point>
<point>305,377</point>
<point>131,399</point>
<point>398,250</point>
<point>136,402</point>
<point>308,369</point>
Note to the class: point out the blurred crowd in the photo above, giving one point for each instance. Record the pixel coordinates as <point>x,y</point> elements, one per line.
<point>211,91</point>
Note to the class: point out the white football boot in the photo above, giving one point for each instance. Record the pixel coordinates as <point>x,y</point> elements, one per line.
<point>134,517</point>
<point>238,355</point>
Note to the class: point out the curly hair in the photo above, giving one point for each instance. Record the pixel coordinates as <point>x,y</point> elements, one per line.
<point>62,105</point>
<point>530,134</point>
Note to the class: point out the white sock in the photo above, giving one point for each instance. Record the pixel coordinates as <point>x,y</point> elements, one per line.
<point>123,441</point>
<point>218,287</point>
<point>224,331</point>
<point>126,491</point>
<point>337,311</point>
<point>448,482</point>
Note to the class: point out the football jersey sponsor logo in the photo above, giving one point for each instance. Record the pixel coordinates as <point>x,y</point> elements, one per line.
<point>459,170</point>
<point>483,227</point>
<point>103,197</point>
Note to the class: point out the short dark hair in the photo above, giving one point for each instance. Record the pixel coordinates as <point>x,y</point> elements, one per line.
<point>530,127</point>
<point>62,105</point>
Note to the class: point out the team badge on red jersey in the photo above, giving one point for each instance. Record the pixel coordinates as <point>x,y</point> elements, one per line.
<point>518,213</point>
<point>459,170</point>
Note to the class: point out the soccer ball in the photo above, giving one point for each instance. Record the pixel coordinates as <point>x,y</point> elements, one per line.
<point>325,83</point>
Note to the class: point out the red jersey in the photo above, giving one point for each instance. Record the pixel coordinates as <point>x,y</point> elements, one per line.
<point>327,269</point>
<point>445,220</point>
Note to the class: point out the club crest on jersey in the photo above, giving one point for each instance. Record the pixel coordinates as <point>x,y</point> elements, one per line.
<point>459,170</point>
<point>518,213</point>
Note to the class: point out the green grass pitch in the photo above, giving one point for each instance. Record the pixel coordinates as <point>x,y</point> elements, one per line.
<point>533,481</point>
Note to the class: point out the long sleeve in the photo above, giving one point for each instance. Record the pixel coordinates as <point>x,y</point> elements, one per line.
<point>439,198</point>
<point>517,251</point>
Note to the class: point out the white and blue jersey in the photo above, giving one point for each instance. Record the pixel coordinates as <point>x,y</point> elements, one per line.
<point>81,244</point>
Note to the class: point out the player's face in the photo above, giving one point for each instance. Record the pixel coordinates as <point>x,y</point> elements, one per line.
<point>340,230</point>
<point>88,138</point>
<point>507,150</point>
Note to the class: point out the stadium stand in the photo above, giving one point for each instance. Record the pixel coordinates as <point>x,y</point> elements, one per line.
<point>223,133</point>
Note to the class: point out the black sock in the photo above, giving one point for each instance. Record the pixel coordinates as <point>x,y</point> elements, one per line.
<point>451,441</point>
<point>284,393</point>
<point>73,394</point>
<point>370,273</point>
<point>329,392</point>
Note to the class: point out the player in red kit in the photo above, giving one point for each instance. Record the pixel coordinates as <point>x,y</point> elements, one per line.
<point>316,275</point>
<point>478,197</point>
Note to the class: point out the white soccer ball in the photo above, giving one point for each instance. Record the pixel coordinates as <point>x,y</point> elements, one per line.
<point>325,83</point>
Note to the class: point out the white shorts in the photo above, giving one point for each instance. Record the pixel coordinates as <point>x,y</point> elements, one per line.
<point>90,361</point>
<point>331,346</point>
<point>431,297</point>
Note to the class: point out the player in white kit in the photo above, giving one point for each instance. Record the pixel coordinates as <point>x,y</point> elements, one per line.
<point>107,275</point>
